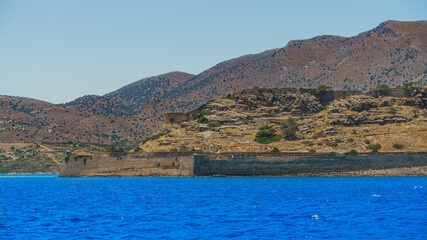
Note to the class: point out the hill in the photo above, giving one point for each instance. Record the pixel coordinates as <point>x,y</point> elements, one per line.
<point>393,53</point>
<point>298,120</point>
<point>30,120</point>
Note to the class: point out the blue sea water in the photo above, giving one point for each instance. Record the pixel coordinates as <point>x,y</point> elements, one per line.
<point>48,207</point>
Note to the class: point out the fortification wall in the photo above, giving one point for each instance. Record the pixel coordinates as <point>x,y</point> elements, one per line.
<point>326,97</point>
<point>129,164</point>
<point>187,164</point>
<point>301,166</point>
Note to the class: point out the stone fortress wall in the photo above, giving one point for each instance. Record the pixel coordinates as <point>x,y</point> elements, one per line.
<point>129,164</point>
<point>187,164</point>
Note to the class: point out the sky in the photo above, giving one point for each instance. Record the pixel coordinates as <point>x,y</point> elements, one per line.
<point>57,51</point>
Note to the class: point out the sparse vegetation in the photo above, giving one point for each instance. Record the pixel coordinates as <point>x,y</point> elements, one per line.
<point>331,154</point>
<point>203,120</point>
<point>275,149</point>
<point>213,125</point>
<point>154,137</point>
<point>205,112</point>
<point>312,151</point>
<point>411,153</point>
<point>352,152</point>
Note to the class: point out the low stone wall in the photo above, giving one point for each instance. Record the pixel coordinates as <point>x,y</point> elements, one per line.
<point>129,164</point>
<point>301,166</point>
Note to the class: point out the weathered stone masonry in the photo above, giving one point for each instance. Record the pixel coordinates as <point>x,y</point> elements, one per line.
<point>187,164</point>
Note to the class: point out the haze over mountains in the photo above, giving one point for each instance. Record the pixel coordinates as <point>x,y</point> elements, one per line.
<point>393,53</point>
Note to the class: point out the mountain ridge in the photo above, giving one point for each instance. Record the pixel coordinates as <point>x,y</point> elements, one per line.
<point>392,53</point>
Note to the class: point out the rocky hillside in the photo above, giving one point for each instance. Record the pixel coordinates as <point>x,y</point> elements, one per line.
<point>392,53</point>
<point>263,120</point>
<point>141,91</point>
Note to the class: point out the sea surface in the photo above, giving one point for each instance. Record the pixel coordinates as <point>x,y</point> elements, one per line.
<point>48,207</point>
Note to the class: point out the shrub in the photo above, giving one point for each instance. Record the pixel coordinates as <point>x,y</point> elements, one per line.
<point>267,140</point>
<point>352,153</point>
<point>213,125</point>
<point>249,118</point>
<point>312,150</point>
<point>266,131</point>
<point>374,147</point>
<point>411,153</point>
<point>398,146</point>
<point>289,128</point>
<point>205,112</point>
<point>183,150</point>
<point>174,150</point>
<point>322,88</point>
<point>275,149</point>
<point>203,120</point>
<point>332,154</point>
<point>154,137</point>
<point>267,134</point>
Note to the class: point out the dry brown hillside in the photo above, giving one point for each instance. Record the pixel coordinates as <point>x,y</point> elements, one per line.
<point>29,120</point>
<point>392,53</point>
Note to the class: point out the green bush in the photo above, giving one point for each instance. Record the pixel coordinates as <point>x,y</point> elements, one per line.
<point>374,147</point>
<point>266,131</point>
<point>332,154</point>
<point>203,120</point>
<point>289,128</point>
<point>398,146</point>
<point>205,112</point>
<point>267,140</point>
<point>249,118</point>
<point>312,150</point>
<point>174,150</point>
<point>213,125</point>
<point>154,137</point>
<point>275,149</point>
<point>352,153</point>
<point>411,153</point>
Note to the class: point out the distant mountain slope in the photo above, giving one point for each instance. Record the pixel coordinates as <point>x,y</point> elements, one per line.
<point>30,120</point>
<point>392,53</point>
<point>101,105</point>
<point>140,91</point>
<point>131,99</point>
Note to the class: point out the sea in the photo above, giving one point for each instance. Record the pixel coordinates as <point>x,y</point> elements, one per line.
<point>48,207</point>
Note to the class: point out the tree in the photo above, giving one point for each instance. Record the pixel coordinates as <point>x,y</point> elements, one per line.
<point>289,128</point>
<point>374,147</point>
<point>266,131</point>
<point>267,134</point>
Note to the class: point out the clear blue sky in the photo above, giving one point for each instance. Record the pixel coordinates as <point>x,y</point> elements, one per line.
<point>58,50</point>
